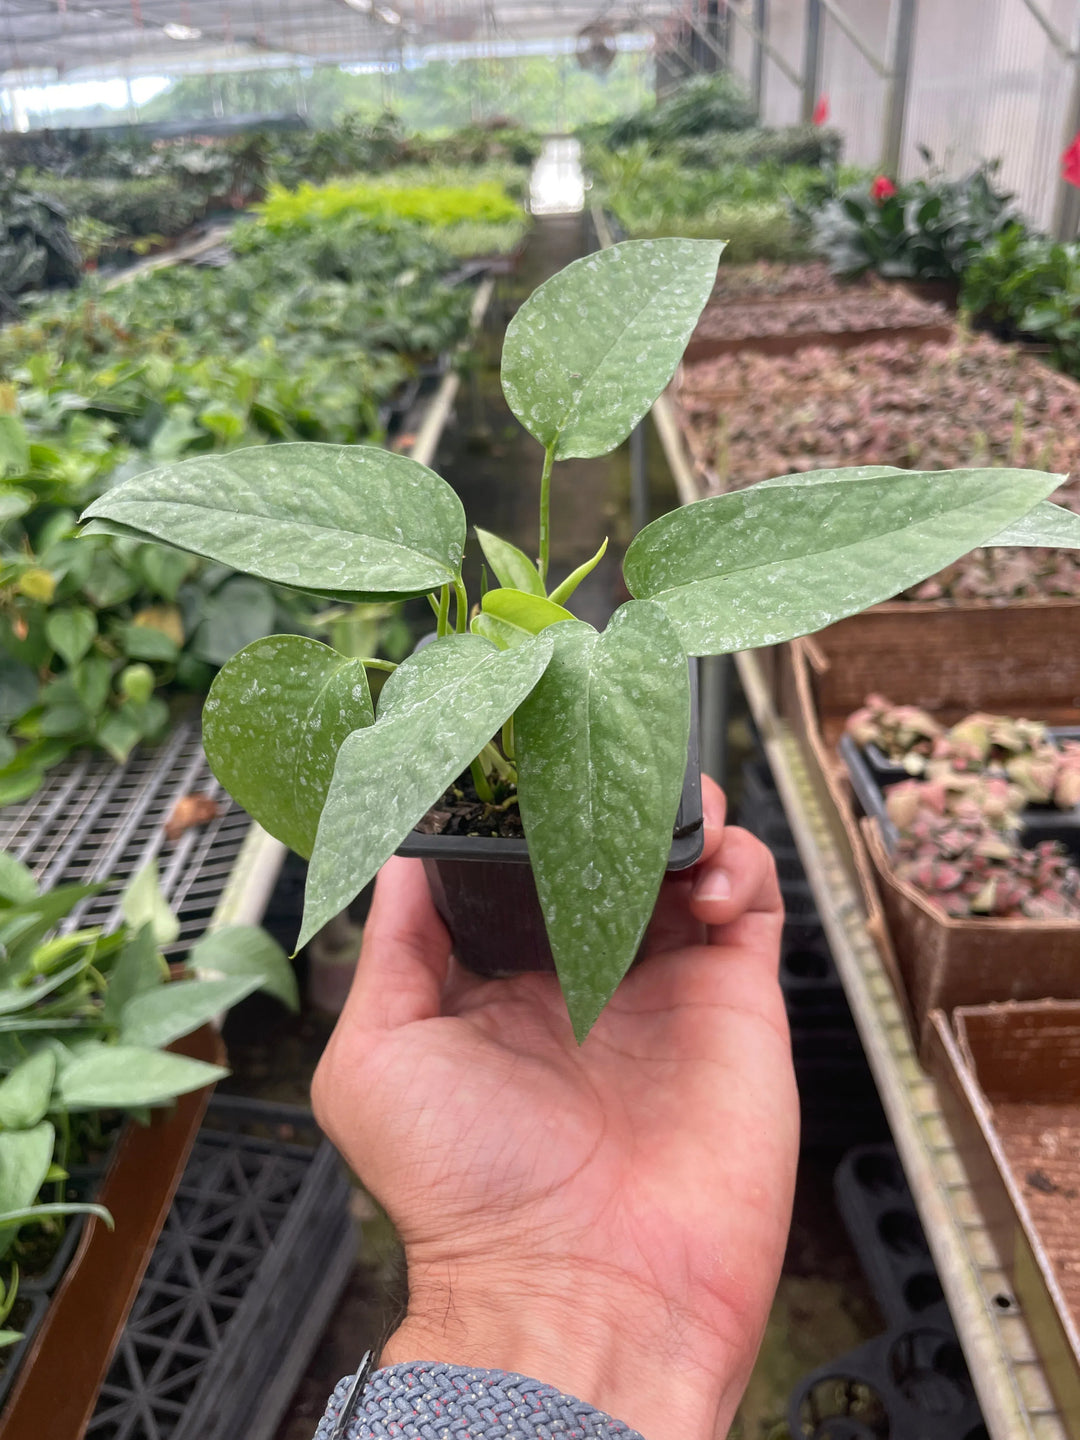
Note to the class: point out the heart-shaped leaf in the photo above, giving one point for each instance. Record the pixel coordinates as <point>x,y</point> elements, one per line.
<point>338,520</point>
<point>71,632</point>
<point>157,1017</point>
<point>510,565</point>
<point>1045,524</point>
<point>25,1093</point>
<point>508,617</point>
<point>272,724</point>
<point>235,950</point>
<point>436,713</point>
<point>788,556</point>
<point>102,1077</point>
<point>593,347</point>
<point>601,750</point>
<point>25,1157</point>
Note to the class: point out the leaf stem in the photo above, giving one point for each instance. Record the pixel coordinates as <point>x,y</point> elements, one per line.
<point>508,738</point>
<point>461,612</point>
<point>433,602</point>
<point>491,759</point>
<point>545,511</point>
<point>484,791</point>
<point>443,612</point>
<point>378,664</point>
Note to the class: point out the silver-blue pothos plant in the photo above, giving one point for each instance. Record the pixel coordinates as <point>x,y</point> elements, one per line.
<point>593,725</point>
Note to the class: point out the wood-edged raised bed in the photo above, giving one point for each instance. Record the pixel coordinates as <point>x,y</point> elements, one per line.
<point>777,310</point>
<point>1009,1084</point>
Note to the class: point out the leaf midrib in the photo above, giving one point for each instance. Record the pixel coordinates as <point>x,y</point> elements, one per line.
<point>809,554</point>
<point>311,525</point>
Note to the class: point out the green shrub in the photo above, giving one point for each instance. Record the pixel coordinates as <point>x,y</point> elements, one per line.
<point>1025,284</point>
<point>928,229</point>
<point>704,105</point>
<point>159,205</point>
<point>36,247</point>
<point>793,145</point>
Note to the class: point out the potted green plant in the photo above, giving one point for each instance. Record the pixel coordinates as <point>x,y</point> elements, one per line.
<point>591,727</point>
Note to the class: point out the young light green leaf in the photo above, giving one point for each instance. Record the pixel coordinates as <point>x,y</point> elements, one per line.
<point>509,617</point>
<point>593,347</point>
<point>601,754</point>
<point>246,950</point>
<point>157,1017</point>
<point>783,559</point>
<point>139,967</point>
<point>126,1076</point>
<point>272,724</point>
<point>26,1091</point>
<point>25,1157</point>
<point>22,997</point>
<point>439,708</point>
<point>511,566</point>
<point>24,924</point>
<point>143,903</point>
<point>562,593</point>
<point>17,883</point>
<point>71,632</point>
<point>334,519</point>
<point>1044,525</point>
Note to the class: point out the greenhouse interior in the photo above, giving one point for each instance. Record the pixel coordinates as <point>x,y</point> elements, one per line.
<point>647,428</point>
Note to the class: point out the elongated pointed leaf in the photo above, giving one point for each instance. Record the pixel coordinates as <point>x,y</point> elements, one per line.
<point>25,1157</point>
<point>511,565</point>
<point>783,559</point>
<point>25,1093</point>
<point>593,347</point>
<point>246,950</point>
<point>157,1017</point>
<point>436,712</point>
<point>601,751</point>
<point>126,1076</point>
<point>1045,524</point>
<point>562,592</point>
<point>143,904</point>
<point>335,519</point>
<point>17,883</point>
<point>23,997</point>
<point>509,617</point>
<point>272,724</point>
<point>139,967</point>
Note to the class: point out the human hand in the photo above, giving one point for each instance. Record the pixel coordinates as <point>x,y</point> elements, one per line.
<point>608,1218</point>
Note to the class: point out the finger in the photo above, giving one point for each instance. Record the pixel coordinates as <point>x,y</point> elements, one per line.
<point>714,811</point>
<point>739,880</point>
<point>405,956</point>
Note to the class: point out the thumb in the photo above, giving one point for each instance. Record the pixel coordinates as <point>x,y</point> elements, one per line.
<point>405,955</point>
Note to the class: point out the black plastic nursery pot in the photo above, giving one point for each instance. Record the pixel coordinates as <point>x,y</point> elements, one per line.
<point>484,890</point>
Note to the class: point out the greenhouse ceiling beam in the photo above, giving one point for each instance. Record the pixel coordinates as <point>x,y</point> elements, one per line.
<point>864,48</point>
<point>1053,34</point>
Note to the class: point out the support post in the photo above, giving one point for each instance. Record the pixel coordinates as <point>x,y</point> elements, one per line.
<point>811,74</point>
<point>757,69</point>
<point>901,38</point>
<point>714,703</point>
<point>1067,199</point>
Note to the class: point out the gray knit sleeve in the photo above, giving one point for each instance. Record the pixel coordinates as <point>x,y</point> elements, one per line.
<point>431,1401</point>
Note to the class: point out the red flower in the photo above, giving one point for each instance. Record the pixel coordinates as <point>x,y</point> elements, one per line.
<point>821,110</point>
<point>1070,163</point>
<point>882,189</point>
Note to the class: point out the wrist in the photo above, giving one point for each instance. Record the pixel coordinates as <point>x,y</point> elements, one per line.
<point>597,1338</point>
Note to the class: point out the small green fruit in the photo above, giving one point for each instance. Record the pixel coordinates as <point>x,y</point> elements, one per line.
<point>137,683</point>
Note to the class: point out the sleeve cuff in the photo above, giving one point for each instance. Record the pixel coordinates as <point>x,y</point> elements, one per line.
<point>430,1400</point>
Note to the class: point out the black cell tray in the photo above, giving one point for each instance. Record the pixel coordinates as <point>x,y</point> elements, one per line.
<point>255,1251</point>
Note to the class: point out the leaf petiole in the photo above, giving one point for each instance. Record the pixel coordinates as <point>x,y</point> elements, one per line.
<point>484,791</point>
<point>545,511</point>
<point>443,612</point>
<point>387,665</point>
<point>461,612</point>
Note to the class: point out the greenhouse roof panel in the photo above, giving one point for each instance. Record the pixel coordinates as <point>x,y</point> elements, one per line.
<point>43,40</point>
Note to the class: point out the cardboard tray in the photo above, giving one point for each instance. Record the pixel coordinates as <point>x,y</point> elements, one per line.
<point>933,961</point>
<point>1009,1084</point>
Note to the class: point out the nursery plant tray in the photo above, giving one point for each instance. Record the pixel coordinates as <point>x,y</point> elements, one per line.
<point>255,1251</point>
<point>1010,1081</point>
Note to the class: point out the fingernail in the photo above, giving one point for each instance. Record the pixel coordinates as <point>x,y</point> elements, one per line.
<point>713,886</point>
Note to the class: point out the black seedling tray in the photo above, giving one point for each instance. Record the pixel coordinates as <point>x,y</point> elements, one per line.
<point>909,1384</point>
<point>254,1253</point>
<point>27,1315</point>
<point>879,1213</point>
